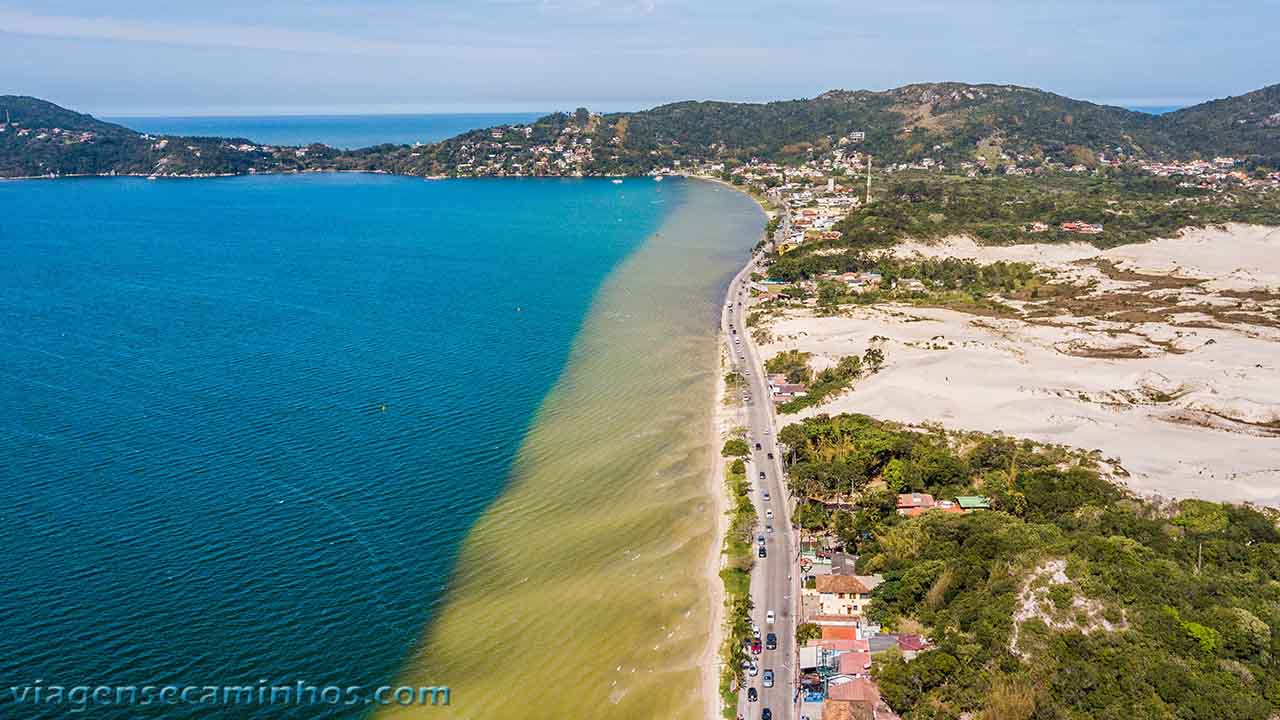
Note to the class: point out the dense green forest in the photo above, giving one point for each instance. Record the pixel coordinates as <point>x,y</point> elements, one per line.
<point>1002,210</point>
<point>1070,598</point>
<point>946,121</point>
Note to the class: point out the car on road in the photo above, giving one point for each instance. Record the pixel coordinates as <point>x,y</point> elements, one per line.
<point>760,538</point>
<point>763,552</point>
<point>768,527</point>
<point>753,670</point>
<point>758,447</point>
<point>770,454</point>
<point>768,514</point>
<point>761,472</point>
<point>769,617</point>
<point>766,496</point>
<point>752,695</point>
<point>768,678</point>
<point>755,646</point>
<point>766,714</point>
<point>771,641</point>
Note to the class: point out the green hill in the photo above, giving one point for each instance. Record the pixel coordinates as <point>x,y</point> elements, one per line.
<point>947,122</point>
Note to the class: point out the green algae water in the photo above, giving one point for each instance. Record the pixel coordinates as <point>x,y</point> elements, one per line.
<point>583,592</point>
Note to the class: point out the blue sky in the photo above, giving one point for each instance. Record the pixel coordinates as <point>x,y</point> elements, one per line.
<point>282,56</point>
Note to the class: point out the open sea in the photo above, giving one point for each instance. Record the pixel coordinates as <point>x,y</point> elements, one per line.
<point>357,430</point>
<point>341,131</point>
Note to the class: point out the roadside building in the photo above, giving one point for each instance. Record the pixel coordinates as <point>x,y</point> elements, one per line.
<point>842,595</point>
<point>854,664</point>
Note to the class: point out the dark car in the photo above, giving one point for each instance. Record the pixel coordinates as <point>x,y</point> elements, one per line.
<point>752,695</point>
<point>766,714</point>
<point>761,475</point>
<point>763,552</point>
<point>771,641</point>
<point>770,456</point>
<point>758,447</point>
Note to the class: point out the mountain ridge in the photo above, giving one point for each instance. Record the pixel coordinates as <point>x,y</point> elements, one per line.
<point>949,122</point>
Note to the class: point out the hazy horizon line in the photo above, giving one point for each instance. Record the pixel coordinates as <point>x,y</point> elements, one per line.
<point>504,109</point>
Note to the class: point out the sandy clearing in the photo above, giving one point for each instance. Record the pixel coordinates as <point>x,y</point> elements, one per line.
<point>1194,412</point>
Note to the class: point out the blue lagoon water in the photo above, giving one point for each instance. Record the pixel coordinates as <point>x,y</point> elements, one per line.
<point>340,131</point>
<point>247,421</point>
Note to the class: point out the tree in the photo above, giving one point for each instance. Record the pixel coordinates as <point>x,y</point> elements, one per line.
<point>735,447</point>
<point>829,293</point>
<point>806,632</point>
<point>873,359</point>
<point>1200,518</point>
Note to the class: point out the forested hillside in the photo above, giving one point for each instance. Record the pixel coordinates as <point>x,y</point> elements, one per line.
<point>1069,598</point>
<point>947,122</point>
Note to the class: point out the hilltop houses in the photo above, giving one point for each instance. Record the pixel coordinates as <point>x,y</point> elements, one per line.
<point>916,504</point>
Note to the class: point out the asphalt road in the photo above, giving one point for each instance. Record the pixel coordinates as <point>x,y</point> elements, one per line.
<point>773,586</point>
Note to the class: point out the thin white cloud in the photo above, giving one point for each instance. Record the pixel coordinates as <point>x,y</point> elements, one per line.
<point>204,34</point>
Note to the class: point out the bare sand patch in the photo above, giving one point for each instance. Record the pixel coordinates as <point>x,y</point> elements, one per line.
<point>1163,356</point>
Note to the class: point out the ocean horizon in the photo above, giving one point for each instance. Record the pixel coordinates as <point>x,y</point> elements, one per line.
<point>347,132</point>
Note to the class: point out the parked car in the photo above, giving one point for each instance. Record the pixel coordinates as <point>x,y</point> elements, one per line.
<point>766,714</point>
<point>755,647</point>
<point>768,678</point>
<point>771,641</point>
<point>762,552</point>
<point>754,670</point>
<point>752,695</point>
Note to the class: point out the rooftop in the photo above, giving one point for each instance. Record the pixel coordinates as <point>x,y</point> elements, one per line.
<point>840,584</point>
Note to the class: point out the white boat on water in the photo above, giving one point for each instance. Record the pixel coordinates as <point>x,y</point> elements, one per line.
<point>617,182</point>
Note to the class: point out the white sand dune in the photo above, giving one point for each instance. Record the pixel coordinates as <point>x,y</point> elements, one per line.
<point>1194,413</point>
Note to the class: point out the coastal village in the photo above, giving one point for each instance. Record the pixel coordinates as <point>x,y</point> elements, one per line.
<point>836,659</point>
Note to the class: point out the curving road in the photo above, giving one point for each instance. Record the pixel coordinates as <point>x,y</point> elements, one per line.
<point>773,586</point>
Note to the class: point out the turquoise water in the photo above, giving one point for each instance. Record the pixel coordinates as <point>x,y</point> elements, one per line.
<point>248,421</point>
<point>340,131</point>
<point>1155,109</point>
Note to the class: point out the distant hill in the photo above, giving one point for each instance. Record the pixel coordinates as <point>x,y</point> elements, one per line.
<point>948,122</point>
<point>1244,125</point>
<point>36,113</point>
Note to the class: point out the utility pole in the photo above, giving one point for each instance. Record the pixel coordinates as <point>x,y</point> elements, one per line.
<point>868,202</point>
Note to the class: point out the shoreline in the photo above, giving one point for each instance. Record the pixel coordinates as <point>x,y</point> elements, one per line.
<point>598,558</point>
<point>720,415</point>
<point>710,661</point>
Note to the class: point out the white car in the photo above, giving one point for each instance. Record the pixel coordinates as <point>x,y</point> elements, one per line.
<point>768,514</point>
<point>769,618</point>
<point>753,670</point>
